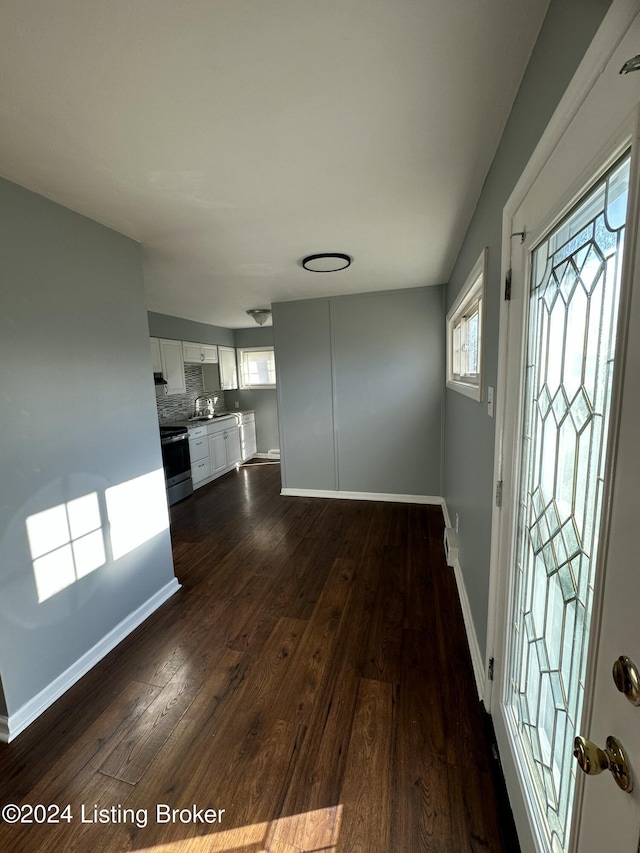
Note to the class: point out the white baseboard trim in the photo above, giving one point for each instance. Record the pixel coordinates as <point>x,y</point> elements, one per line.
<point>363,496</point>
<point>13,724</point>
<point>453,560</point>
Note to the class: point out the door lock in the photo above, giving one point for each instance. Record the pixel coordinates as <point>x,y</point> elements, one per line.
<point>593,760</point>
<point>627,679</point>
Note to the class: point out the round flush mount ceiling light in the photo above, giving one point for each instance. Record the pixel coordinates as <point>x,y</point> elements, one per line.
<point>326,262</point>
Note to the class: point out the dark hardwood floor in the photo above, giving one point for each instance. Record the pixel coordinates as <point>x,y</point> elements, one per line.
<point>311,678</point>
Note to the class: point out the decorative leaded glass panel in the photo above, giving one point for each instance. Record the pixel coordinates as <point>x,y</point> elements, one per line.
<point>575,279</point>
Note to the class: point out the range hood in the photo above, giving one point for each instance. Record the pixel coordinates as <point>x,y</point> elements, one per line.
<point>159,379</point>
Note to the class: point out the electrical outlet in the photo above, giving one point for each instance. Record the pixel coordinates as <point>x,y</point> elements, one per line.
<point>237,405</point>
<point>457,523</point>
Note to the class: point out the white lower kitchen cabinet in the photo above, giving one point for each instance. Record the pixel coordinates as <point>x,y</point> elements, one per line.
<point>199,453</point>
<point>248,441</point>
<point>200,471</point>
<point>214,449</point>
<point>198,443</point>
<point>224,449</point>
<point>217,453</point>
<point>232,437</point>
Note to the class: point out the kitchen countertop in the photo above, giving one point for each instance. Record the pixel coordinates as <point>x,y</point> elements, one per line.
<point>196,423</point>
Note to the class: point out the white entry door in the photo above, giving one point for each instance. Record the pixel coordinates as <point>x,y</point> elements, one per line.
<point>568,594</point>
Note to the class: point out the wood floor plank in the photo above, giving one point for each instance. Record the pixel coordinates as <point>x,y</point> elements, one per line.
<point>296,697</point>
<point>306,831</point>
<point>469,828</point>
<point>366,800</point>
<point>385,634</point>
<point>463,720</point>
<point>262,779</point>
<point>184,760</point>
<point>133,755</point>
<point>96,743</point>
<point>272,664</point>
<point>311,560</point>
<point>318,776</point>
<point>50,772</point>
<point>421,815</point>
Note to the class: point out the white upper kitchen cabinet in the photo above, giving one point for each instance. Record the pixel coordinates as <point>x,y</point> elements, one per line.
<point>155,355</point>
<point>199,353</point>
<point>172,366</point>
<point>228,368</point>
<point>209,354</point>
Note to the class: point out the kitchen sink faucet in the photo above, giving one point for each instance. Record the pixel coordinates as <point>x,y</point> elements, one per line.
<point>209,404</point>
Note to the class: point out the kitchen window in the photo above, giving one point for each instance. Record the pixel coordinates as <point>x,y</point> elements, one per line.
<point>257,367</point>
<point>465,332</point>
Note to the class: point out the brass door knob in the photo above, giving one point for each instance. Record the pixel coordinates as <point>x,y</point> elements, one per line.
<point>593,760</point>
<point>627,679</point>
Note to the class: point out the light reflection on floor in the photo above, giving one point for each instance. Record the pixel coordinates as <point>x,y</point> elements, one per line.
<point>308,832</point>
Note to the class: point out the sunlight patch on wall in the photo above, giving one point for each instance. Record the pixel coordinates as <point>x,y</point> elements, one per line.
<point>137,511</point>
<point>66,543</point>
<point>315,831</point>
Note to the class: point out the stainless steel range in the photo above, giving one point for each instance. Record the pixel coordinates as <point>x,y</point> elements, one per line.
<point>176,462</point>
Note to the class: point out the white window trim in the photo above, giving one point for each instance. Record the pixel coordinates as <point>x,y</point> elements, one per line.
<point>473,289</point>
<point>241,382</point>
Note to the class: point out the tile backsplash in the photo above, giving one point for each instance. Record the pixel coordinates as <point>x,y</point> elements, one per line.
<point>175,407</point>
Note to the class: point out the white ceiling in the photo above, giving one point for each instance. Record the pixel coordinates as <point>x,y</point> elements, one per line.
<point>234,137</point>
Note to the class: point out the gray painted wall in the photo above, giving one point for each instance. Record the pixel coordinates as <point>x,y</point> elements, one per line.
<point>469,438</point>
<point>360,386</point>
<point>78,416</point>
<point>302,340</point>
<point>179,329</point>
